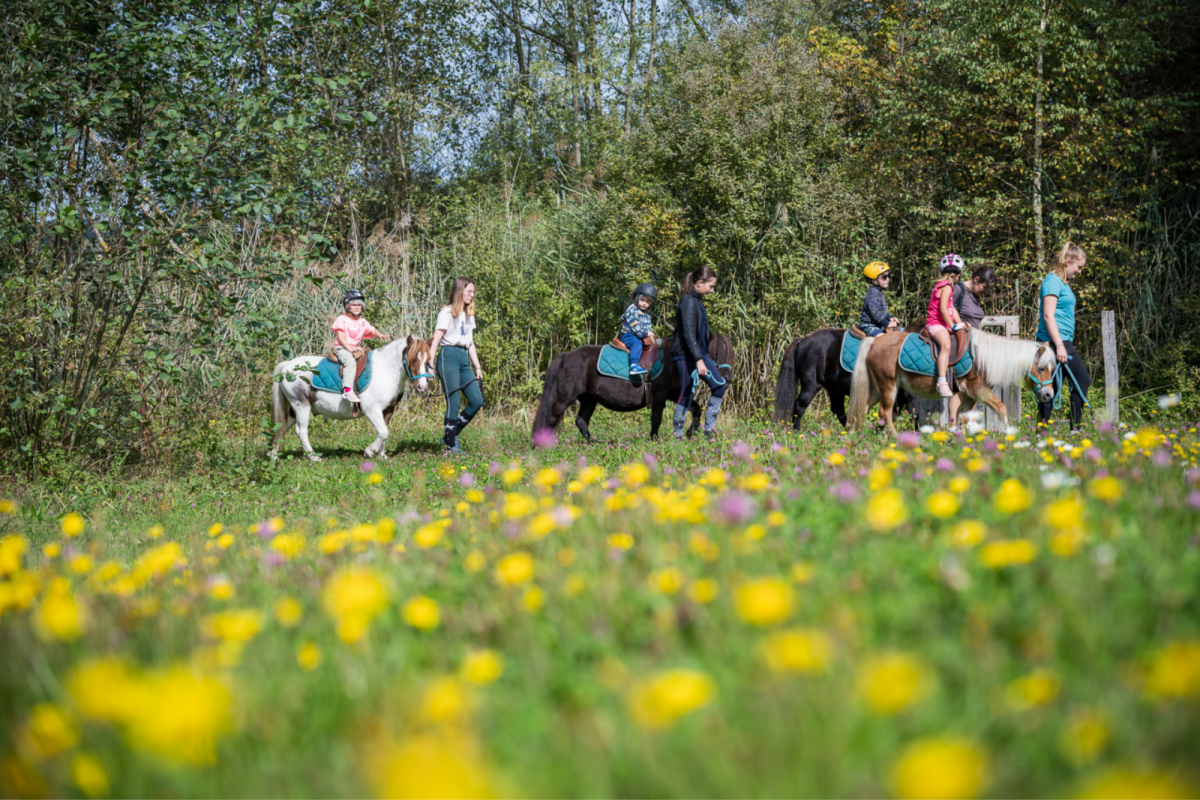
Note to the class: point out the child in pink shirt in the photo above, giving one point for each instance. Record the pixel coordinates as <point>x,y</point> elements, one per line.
<point>942,317</point>
<point>351,329</point>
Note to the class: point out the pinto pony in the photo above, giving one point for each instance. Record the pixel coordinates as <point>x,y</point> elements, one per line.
<point>999,361</point>
<point>393,367</point>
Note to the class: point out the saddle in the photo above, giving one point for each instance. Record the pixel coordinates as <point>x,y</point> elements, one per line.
<point>360,364</point>
<point>960,341</point>
<point>649,354</point>
<point>856,332</point>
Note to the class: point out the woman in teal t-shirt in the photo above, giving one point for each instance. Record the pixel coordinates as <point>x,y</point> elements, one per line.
<point>1056,325</point>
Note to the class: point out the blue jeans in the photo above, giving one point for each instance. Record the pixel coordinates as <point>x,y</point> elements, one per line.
<point>635,347</point>
<point>871,330</point>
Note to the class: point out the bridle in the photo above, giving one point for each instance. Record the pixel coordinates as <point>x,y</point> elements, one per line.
<point>408,372</point>
<point>1055,379</point>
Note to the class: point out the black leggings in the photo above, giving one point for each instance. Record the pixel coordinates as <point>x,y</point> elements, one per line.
<point>1077,368</point>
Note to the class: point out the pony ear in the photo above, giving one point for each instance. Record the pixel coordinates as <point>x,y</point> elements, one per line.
<point>410,341</point>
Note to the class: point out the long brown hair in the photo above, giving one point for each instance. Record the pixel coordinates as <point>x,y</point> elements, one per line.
<point>698,275</point>
<point>456,304</point>
<point>1069,253</point>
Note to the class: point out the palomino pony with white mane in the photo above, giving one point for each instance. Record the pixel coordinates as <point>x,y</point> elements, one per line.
<point>998,361</point>
<point>393,367</point>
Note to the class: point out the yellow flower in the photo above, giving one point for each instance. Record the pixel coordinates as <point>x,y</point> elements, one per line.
<point>566,557</point>
<point>81,564</point>
<point>225,540</point>
<point>156,532</point>
<point>886,510</point>
<point>180,714</point>
<point>802,571</point>
<point>474,496</point>
<point>52,550</point>
<point>447,471</point>
<point>1123,783</point>
<point>215,529</point>
<point>353,597</point>
<point>1108,489</point>
<point>48,731</point>
<point>547,477</point>
<point>1012,497</point>
<point>798,650</point>
<point>8,507</point>
<point>104,689</point>
<point>620,541</point>
<point>533,598</point>
<point>1084,736</point>
<point>764,601</point>
<point>959,485</point>
<point>88,774</point>
<point>518,505</point>
<point>977,465</point>
<point>967,534</point>
<point>775,519</point>
<point>474,562</point>
<point>60,615</point>
<point>288,612</point>
<point>481,667</point>
<point>892,682</point>
<point>1174,671</point>
<point>937,768</point>
<point>1030,691</point>
<point>72,524</point>
<point>591,474</point>
<point>1065,514</point>
<point>288,545</point>
<point>668,581</point>
<point>235,625</point>
<point>942,504</point>
<point>429,535</point>
<point>12,547</point>
<point>514,569</point>
<point>374,479</point>
<point>540,526</point>
<point>155,562</point>
<point>422,613</point>
<point>574,585</point>
<point>513,474</point>
<point>1008,553</point>
<point>1067,543</point>
<point>755,482</point>
<point>659,700</point>
<point>1147,438</point>
<point>308,656</point>
<point>714,477</point>
<point>880,478</point>
<point>704,591</point>
<point>836,459</point>
<point>221,588</point>
<point>442,762</point>
<point>634,475</point>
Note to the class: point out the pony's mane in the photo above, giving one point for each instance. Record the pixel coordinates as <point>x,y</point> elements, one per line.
<point>1002,361</point>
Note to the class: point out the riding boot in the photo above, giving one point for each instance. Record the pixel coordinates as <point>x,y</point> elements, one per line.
<point>710,414</point>
<point>450,435</point>
<point>679,419</point>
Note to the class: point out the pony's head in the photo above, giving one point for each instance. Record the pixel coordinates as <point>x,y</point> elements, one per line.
<point>1041,374</point>
<point>417,363</point>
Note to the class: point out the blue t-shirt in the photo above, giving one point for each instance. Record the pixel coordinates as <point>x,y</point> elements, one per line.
<point>1064,312</point>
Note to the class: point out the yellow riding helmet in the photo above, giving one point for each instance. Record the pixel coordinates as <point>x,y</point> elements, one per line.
<point>875,269</point>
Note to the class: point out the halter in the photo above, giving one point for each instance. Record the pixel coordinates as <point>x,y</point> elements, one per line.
<point>1056,379</point>
<point>411,377</point>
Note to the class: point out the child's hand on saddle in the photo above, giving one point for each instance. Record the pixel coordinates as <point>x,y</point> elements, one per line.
<point>358,352</point>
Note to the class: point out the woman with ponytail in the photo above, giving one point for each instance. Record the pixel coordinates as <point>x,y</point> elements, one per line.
<point>690,351</point>
<point>1056,325</point>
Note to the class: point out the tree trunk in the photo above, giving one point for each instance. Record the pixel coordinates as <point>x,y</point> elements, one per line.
<point>572,59</point>
<point>1039,234</point>
<point>594,55</point>
<point>653,41</point>
<point>632,63</point>
<point>517,48</point>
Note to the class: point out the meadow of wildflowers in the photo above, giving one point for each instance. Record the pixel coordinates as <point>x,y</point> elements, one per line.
<point>934,615</point>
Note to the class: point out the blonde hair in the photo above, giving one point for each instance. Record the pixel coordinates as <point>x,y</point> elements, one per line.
<point>1069,253</point>
<point>456,304</point>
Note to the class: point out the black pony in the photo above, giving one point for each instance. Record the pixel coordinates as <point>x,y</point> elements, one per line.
<point>573,376</point>
<point>814,363</point>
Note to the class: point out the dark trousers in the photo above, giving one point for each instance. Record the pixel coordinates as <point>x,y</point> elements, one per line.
<point>684,370</point>
<point>458,380</point>
<point>1077,368</point>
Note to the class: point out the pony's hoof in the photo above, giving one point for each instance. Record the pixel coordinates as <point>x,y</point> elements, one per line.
<point>313,457</point>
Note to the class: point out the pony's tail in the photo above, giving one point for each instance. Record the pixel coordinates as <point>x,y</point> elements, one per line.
<point>541,420</point>
<point>785,386</point>
<point>860,387</point>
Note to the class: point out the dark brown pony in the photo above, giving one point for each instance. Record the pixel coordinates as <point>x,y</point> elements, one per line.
<point>574,377</point>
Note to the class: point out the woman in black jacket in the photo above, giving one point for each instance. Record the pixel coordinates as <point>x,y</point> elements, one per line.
<point>690,350</point>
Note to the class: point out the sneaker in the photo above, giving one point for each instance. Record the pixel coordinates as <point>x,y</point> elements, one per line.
<point>637,369</point>
<point>351,396</point>
<point>943,387</point>
<point>710,434</point>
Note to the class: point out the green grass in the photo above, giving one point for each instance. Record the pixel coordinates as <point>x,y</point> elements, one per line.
<point>558,721</point>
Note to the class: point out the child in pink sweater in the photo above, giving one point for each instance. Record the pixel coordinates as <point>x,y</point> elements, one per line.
<point>351,329</point>
<point>942,317</point>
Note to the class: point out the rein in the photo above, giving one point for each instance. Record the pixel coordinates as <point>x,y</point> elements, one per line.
<point>1056,379</point>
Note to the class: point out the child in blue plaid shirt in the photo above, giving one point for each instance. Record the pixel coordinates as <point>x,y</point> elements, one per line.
<point>635,325</point>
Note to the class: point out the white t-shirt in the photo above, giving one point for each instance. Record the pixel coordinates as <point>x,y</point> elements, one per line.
<point>458,329</point>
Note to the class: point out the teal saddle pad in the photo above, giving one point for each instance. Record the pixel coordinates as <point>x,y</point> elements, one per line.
<point>614,363</point>
<point>850,348</point>
<point>327,376</point>
<point>915,357</point>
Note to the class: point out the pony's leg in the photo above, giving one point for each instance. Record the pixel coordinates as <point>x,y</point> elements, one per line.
<point>379,446</point>
<point>697,413</point>
<point>887,402</point>
<point>657,403</point>
<point>280,435</point>
<point>303,414</point>
<point>985,395</point>
<point>837,404</point>
<point>587,406</point>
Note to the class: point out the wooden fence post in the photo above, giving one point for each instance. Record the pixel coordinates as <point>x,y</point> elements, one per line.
<point>1112,392</point>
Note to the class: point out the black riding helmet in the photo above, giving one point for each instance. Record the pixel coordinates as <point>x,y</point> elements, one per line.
<point>353,295</point>
<point>645,289</point>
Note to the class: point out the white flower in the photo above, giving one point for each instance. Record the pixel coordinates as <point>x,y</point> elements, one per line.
<point>1130,434</point>
<point>926,429</point>
<point>1022,444</point>
<point>1169,400</point>
<point>1011,430</point>
<point>1058,479</point>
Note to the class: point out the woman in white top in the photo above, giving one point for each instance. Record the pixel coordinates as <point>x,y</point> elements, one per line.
<point>456,361</point>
